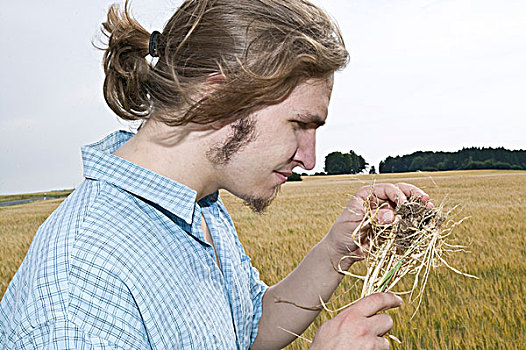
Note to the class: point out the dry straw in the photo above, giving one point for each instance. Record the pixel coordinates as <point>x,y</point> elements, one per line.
<point>412,245</point>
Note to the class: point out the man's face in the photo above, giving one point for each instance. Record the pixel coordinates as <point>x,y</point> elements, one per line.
<point>283,137</point>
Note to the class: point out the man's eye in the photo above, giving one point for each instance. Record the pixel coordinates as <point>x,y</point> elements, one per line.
<point>299,124</point>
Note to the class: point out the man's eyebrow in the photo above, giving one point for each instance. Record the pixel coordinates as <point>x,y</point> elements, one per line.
<point>310,118</point>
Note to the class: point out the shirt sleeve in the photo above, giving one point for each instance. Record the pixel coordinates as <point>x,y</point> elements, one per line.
<point>100,313</point>
<point>99,302</point>
<point>60,334</point>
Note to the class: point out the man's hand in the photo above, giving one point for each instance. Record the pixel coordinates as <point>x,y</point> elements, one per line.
<point>316,277</point>
<point>383,196</point>
<point>360,326</point>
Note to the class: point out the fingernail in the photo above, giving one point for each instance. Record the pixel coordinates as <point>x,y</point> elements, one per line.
<point>388,216</point>
<point>400,299</point>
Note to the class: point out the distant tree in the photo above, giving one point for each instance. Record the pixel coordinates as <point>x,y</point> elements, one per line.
<point>466,158</point>
<point>336,163</point>
<point>372,170</point>
<point>358,163</point>
<point>294,177</point>
<point>344,163</point>
<point>417,164</point>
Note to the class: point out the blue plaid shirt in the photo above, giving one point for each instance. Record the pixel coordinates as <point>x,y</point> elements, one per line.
<point>123,264</point>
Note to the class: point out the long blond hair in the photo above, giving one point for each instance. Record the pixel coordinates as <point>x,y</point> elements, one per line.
<point>260,49</point>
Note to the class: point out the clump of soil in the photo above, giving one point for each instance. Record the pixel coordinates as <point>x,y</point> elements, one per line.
<point>413,217</point>
<point>412,245</point>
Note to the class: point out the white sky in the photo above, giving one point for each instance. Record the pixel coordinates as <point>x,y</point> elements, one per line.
<point>424,75</point>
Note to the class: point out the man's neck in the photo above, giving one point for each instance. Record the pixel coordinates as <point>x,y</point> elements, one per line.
<point>178,153</point>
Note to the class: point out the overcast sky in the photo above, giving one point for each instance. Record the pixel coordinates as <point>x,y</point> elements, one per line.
<point>424,75</point>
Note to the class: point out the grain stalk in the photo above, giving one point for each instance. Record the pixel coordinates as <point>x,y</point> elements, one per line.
<point>413,244</point>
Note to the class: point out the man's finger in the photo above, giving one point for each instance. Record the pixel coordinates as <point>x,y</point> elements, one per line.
<point>371,304</point>
<point>381,193</point>
<point>382,323</point>
<point>354,209</point>
<point>411,190</point>
<point>385,216</point>
<point>389,193</point>
<point>383,344</point>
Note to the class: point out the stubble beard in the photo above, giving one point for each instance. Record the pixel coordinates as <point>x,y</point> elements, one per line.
<point>259,204</point>
<point>243,132</point>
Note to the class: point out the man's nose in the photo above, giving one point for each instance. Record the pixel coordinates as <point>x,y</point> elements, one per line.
<point>306,152</point>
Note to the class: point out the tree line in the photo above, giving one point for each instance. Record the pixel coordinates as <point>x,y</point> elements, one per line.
<point>466,158</point>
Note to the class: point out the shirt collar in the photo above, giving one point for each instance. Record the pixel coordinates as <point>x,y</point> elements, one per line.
<point>100,164</point>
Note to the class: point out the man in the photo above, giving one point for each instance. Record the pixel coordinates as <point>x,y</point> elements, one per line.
<point>144,254</point>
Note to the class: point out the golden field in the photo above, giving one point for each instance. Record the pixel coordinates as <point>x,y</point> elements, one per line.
<point>456,312</point>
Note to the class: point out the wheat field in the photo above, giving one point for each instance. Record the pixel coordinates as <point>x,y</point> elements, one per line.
<point>456,312</point>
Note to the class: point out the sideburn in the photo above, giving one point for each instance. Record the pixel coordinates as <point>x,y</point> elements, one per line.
<point>243,132</point>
